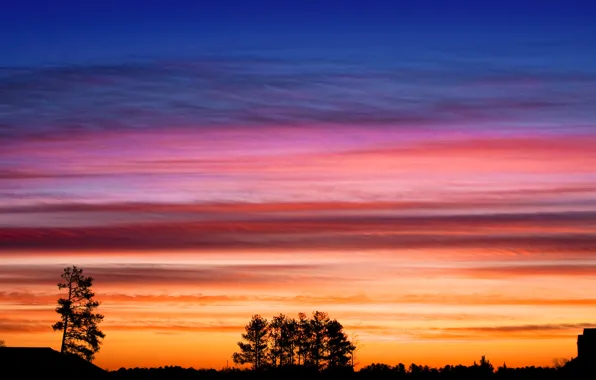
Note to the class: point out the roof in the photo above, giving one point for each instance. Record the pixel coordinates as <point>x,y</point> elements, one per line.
<point>590,332</point>
<point>44,360</point>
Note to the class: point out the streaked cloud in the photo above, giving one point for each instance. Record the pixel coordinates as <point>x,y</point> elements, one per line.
<point>237,90</point>
<point>538,332</point>
<point>281,228</point>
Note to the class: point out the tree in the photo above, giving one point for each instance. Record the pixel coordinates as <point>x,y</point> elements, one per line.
<point>255,350</point>
<point>357,346</point>
<point>316,342</point>
<point>2,344</point>
<point>338,347</point>
<point>559,363</point>
<point>302,338</point>
<point>282,333</point>
<point>289,330</point>
<point>484,369</point>
<point>78,321</point>
<point>486,365</point>
<point>318,330</point>
<point>276,338</point>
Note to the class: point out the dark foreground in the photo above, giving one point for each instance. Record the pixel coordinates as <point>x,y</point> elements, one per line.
<point>572,370</point>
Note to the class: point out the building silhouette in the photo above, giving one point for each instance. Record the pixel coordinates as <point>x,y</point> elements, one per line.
<point>586,345</point>
<point>45,363</point>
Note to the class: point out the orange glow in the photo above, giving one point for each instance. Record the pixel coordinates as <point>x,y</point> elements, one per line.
<point>400,306</point>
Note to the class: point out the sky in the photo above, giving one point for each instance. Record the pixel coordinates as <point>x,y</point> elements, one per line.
<point>425,173</point>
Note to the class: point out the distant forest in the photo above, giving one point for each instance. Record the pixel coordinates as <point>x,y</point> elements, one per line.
<point>478,371</point>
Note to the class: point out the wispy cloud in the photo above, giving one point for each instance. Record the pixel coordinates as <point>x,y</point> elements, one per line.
<point>242,91</point>
<point>229,275</point>
<point>539,332</point>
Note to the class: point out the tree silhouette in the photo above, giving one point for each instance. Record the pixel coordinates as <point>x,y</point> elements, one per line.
<point>318,342</point>
<point>282,333</point>
<point>289,332</point>
<point>275,337</point>
<point>302,338</point>
<point>375,371</point>
<point>484,368</point>
<point>255,350</point>
<point>560,362</point>
<point>318,335</point>
<point>78,321</point>
<point>339,348</point>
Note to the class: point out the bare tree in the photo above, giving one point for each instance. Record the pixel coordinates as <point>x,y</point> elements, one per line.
<point>559,363</point>
<point>357,347</point>
<point>78,321</point>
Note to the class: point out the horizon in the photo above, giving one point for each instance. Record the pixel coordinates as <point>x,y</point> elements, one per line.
<point>426,174</point>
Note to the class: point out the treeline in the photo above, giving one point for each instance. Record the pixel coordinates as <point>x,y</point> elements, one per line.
<point>483,370</point>
<point>319,342</point>
<point>317,348</point>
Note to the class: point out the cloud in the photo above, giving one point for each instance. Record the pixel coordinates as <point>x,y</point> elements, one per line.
<point>531,269</point>
<point>493,300</point>
<point>21,325</point>
<point>33,300</point>
<point>483,333</point>
<point>20,298</point>
<point>231,275</point>
<point>249,227</point>
<point>297,209</point>
<point>237,90</point>
<point>294,164</point>
<point>524,328</point>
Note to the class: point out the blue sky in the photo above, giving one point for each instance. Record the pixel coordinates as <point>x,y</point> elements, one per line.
<point>64,32</point>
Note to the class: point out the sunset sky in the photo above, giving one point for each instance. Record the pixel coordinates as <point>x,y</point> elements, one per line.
<point>424,173</point>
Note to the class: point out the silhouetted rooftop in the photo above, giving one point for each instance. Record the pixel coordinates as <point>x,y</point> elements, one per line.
<point>25,362</point>
<point>590,332</point>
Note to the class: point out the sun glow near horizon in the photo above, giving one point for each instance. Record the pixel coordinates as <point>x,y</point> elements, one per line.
<point>190,311</point>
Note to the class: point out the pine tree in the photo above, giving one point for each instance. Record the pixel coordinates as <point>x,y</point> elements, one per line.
<point>78,321</point>
<point>255,350</point>
<point>338,347</point>
<point>318,330</point>
<point>276,340</point>
<point>316,342</point>
<point>289,331</point>
<point>302,339</point>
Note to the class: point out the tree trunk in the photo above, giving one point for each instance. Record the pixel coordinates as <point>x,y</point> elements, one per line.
<point>62,347</point>
<point>64,334</point>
